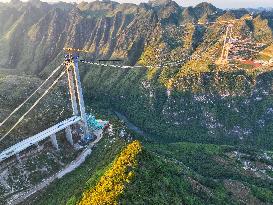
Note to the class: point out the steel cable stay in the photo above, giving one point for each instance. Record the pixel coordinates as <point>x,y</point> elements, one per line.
<point>106,65</point>
<point>23,103</point>
<point>34,105</point>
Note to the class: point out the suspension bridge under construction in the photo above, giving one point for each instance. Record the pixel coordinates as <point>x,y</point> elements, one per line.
<point>70,66</point>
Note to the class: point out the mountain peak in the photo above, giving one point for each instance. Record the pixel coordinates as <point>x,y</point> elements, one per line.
<point>204,9</point>
<point>205,5</point>
<point>159,2</point>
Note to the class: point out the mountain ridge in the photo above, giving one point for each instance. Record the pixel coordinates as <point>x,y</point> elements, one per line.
<point>111,30</point>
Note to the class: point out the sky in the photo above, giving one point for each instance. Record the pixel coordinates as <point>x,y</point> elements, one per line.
<point>217,3</point>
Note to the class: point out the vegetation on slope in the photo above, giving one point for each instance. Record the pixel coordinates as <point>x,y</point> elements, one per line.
<point>186,173</point>
<point>112,184</point>
<point>224,110</point>
<point>177,173</point>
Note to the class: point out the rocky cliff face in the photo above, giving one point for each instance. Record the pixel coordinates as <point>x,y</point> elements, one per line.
<point>235,110</point>
<point>33,34</point>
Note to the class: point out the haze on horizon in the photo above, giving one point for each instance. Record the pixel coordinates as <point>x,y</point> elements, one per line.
<point>217,3</point>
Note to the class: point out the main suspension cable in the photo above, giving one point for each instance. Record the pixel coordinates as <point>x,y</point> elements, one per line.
<point>23,103</point>
<point>108,65</point>
<point>39,99</point>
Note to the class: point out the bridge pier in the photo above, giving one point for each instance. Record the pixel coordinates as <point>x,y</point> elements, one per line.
<point>68,135</point>
<point>38,146</point>
<point>18,158</point>
<point>54,141</point>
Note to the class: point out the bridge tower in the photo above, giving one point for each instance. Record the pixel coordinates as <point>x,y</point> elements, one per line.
<point>75,87</point>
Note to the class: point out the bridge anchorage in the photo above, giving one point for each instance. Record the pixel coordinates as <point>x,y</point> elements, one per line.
<point>70,67</point>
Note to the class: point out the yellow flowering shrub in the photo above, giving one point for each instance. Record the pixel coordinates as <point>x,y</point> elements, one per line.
<point>113,182</point>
